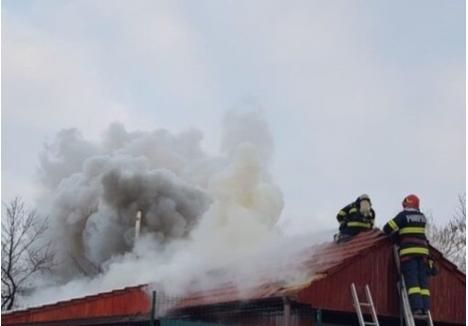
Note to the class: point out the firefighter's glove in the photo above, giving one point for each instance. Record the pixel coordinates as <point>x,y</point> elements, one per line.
<point>432,268</point>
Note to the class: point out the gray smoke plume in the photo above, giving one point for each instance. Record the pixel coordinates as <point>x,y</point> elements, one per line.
<point>195,207</point>
<point>95,191</point>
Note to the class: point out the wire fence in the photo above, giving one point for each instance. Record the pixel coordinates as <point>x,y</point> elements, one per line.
<point>173,311</point>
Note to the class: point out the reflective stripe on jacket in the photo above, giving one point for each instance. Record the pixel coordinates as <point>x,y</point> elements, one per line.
<point>349,217</point>
<point>410,224</point>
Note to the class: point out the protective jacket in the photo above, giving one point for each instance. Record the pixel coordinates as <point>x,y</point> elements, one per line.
<point>352,221</point>
<point>411,227</point>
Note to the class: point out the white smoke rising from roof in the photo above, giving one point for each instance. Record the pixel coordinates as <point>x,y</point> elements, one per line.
<point>199,212</point>
<point>249,127</point>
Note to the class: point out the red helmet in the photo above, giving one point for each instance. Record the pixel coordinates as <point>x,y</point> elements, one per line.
<point>411,201</point>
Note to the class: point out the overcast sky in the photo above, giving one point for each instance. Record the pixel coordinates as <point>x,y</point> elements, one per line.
<point>361,96</point>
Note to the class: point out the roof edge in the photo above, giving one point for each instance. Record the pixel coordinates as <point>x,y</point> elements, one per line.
<point>73,300</point>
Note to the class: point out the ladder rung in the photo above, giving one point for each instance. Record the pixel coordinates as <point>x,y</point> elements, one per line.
<point>421,317</point>
<point>368,303</point>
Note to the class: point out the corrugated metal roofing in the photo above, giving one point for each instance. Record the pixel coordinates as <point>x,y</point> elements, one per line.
<point>331,268</point>
<point>367,258</point>
<point>130,301</point>
<point>316,262</point>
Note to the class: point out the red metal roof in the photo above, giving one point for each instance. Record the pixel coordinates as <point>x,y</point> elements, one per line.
<point>316,262</point>
<point>130,301</point>
<point>366,259</point>
<point>377,269</point>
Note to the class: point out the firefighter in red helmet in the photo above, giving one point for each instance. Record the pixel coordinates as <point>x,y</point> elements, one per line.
<point>414,252</point>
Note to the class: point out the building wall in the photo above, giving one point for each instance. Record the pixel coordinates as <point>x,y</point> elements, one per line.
<point>448,295</point>
<point>377,268</point>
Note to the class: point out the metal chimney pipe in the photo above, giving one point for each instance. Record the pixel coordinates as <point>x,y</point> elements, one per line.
<point>138,224</point>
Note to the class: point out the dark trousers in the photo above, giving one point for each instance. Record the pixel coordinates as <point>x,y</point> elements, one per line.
<point>414,271</point>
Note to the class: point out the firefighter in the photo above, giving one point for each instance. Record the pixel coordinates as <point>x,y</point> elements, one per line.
<point>355,218</point>
<point>414,252</point>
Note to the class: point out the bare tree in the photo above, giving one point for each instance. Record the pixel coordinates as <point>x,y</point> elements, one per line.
<point>450,237</point>
<point>23,253</point>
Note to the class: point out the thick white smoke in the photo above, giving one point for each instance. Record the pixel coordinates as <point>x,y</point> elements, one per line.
<point>199,212</point>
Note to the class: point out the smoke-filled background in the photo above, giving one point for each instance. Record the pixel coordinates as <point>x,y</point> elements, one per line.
<point>200,212</point>
<point>357,97</point>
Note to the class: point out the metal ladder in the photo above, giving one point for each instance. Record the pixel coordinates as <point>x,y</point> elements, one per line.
<point>404,299</point>
<point>357,305</point>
